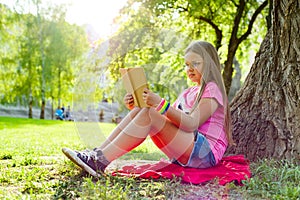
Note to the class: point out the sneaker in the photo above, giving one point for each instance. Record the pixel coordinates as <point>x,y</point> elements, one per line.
<point>92,162</point>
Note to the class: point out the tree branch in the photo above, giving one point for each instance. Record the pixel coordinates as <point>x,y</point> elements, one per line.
<point>219,34</point>
<point>253,18</point>
<point>218,31</point>
<point>236,23</point>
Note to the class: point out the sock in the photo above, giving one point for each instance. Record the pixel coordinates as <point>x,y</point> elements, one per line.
<point>100,157</point>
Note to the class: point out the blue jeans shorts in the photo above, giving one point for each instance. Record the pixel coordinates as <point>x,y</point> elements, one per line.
<point>201,156</point>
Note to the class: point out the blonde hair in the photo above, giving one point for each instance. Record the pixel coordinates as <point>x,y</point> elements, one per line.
<point>211,72</point>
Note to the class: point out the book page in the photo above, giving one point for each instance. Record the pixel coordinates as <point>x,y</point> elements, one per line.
<point>134,80</point>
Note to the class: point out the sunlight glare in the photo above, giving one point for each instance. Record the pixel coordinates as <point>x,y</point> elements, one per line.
<point>99,14</point>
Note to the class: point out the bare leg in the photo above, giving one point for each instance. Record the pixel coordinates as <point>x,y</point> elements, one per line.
<point>129,117</point>
<point>174,142</point>
<point>130,137</point>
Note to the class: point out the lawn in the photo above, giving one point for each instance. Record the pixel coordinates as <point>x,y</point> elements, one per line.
<point>33,167</point>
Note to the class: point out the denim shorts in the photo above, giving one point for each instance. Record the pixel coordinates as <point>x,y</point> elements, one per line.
<point>201,156</point>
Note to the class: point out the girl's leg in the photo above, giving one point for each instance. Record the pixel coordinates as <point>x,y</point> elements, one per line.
<point>95,162</point>
<point>129,117</point>
<point>129,137</point>
<point>171,140</point>
<point>174,142</point>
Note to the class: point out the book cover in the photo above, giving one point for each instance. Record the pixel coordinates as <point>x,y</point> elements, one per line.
<point>134,80</point>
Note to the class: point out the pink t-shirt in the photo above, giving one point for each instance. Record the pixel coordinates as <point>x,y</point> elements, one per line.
<point>213,127</point>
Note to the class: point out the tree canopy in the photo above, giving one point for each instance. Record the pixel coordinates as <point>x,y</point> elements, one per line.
<point>154,34</point>
<point>43,55</point>
<point>40,55</point>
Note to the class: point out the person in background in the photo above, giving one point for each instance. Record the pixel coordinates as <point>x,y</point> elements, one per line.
<point>59,114</point>
<point>68,114</point>
<point>63,109</point>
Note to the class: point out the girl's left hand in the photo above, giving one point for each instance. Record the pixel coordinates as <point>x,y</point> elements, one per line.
<point>150,98</point>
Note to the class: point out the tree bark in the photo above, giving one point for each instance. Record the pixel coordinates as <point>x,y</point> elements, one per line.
<point>236,80</point>
<point>30,106</point>
<point>266,111</point>
<point>41,40</point>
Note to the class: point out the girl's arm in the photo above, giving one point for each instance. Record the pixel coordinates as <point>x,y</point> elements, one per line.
<point>186,122</point>
<point>191,122</point>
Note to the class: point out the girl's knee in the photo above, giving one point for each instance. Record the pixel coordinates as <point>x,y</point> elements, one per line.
<point>135,110</point>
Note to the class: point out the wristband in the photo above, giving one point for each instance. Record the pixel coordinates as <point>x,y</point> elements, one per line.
<point>168,105</point>
<point>163,107</point>
<point>160,105</point>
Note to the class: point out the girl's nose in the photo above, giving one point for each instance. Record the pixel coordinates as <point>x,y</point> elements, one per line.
<point>189,68</point>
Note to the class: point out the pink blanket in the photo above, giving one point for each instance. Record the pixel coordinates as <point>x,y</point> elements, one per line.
<point>231,168</point>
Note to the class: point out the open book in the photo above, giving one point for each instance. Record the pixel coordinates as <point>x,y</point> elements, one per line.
<point>134,80</point>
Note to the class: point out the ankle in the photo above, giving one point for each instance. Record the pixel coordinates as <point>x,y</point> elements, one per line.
<point>101,157</point>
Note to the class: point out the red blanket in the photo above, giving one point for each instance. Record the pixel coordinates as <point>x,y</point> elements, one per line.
<point>231,168</point>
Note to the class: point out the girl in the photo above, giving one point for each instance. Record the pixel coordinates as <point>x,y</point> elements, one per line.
<point>194,132</point>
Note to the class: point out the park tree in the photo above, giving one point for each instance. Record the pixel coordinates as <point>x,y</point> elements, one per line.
<point>40,54</point>
<point>42,44</point>
<point>19,48</point>
<point>8,54</point>
<point>28,59</point>
<point>266,112</point>
<point>66,44</point>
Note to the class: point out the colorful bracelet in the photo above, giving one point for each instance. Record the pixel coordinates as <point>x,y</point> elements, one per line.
<point>168,105</point>
<point>160,105</point>
<point>163,107</point>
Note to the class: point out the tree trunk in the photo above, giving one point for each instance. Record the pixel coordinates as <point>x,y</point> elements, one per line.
<point>30,106</point>
<point>42,114</point>
<point>59,86</point>
<point>41,40</point>
<point>266,111</point>
<point>52,108</point>
<point>236,80</point>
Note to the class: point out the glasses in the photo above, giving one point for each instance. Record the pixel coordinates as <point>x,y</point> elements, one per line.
<point>192,65</point>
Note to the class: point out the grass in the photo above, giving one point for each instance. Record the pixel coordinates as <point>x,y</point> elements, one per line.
<point>33,167</point>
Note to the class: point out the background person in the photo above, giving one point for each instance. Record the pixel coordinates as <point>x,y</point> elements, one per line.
<point>59,114</point>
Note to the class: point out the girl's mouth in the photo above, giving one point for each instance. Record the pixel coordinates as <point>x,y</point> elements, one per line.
<point>191,75</point>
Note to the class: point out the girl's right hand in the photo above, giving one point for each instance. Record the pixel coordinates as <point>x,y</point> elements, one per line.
<point>129,101</point>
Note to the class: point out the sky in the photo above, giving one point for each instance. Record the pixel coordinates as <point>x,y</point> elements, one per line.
<point>98,13</point>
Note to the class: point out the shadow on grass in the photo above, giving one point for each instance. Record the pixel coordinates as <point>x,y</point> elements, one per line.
<point>83,186</point>
<point>66,189</point>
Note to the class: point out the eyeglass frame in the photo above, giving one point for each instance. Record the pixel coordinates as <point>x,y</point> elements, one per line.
<point>192,65</point>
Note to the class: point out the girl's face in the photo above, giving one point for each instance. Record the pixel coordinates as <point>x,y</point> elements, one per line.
<point>193,66</point>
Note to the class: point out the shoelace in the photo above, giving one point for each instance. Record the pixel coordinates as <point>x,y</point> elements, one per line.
<point>94,158</point>
<point>85,155</point>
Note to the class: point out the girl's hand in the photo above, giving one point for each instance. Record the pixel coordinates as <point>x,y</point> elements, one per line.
<point>150,98</point>
<point>129,101</point>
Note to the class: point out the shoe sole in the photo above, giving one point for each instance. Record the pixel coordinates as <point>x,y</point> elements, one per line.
<point>72,155</point>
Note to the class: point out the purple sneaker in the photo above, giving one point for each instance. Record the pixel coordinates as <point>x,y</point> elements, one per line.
<point>92,162</point>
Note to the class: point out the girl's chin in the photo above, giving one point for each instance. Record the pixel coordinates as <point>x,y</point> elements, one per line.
<point>195,80</point>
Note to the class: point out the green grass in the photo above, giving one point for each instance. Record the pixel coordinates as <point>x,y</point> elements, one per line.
<point>33,167</point>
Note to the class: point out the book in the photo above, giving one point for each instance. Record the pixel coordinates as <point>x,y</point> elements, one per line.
<point>135,81</point>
